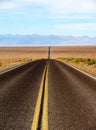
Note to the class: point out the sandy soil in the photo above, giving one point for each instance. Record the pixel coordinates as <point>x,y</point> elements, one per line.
<point>91,69</point>
<point>10,66</point>
<point>42,52</point>
<point>74,52</point>
<point>23,52</point>
<point>56,52</point>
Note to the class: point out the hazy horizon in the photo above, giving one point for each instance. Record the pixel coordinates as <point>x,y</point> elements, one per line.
<point>46,40</point>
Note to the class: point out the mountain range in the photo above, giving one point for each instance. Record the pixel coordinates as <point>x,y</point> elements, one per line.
<point>45,40</point>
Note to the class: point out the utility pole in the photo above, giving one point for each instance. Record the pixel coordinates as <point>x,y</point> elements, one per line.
<point>49,52</point>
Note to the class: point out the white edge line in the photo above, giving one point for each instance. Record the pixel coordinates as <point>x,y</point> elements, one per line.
<point>13,68</point>
<point>78,70</point>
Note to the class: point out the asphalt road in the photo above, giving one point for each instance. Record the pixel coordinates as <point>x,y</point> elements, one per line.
<point>71,97</point>
<point>18,95</point>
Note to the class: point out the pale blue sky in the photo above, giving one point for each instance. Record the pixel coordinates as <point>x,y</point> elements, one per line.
<point>45,17</point>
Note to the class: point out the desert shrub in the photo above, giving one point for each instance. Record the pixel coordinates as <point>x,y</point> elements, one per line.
<point>4,62</point>
<point>69,59</point>
<point>90,61</point>
<point>78,60</point>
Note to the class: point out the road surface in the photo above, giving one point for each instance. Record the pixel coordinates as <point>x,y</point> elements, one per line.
<point>47,95</point>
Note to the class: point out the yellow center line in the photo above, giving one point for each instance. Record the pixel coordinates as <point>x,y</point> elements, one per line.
<point>38,103</point>
<point>45,106</point>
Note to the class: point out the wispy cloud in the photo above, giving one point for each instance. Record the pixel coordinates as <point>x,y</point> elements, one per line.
<point>56,6</point>
<point>81,26</point>
<point>74,16</point>
<point>7,4</point>
<point>77,28</point>
<point>69,6</point>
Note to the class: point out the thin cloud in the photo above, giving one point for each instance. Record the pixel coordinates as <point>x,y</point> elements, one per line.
<point>7,4</point>
<point>55,6</point>
<point>4,1</point>
<point>63,6</point>
<point>78,26</point>
<point>80,16</point>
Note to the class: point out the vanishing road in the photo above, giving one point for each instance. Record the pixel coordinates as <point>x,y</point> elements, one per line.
<point>47,95</point>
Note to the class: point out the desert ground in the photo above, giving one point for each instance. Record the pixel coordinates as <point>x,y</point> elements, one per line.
<point>74,51</point>
<point>12,56</point>
<point>42,52</point>
<point>23,52</point>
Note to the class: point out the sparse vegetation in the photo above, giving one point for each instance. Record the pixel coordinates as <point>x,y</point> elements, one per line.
<point>88,61</point>
<point>8,62</point>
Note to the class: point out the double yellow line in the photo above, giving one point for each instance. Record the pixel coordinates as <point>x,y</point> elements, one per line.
<point>44,125</point>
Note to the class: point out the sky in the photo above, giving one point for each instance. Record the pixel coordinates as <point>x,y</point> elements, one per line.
<point>45,17</point>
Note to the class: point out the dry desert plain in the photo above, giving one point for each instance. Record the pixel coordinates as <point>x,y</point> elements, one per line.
<point>74,51</point>
<point>10,55</point>
<point>42,52</point>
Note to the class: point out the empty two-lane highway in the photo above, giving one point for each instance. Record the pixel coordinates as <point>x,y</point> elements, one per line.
<point>47,94</point>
